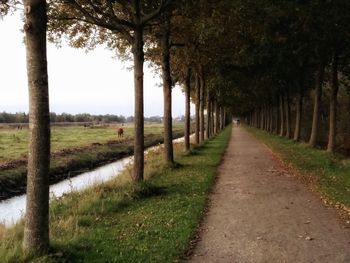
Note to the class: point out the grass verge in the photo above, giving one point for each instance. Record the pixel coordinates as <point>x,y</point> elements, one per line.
<point>122,222</point>
<point>328,173</point>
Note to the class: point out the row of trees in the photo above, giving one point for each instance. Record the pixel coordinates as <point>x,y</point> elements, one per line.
<point>303,71</point>
<point>153,29</point>
<point>267,61</point>
<point>22,117</point>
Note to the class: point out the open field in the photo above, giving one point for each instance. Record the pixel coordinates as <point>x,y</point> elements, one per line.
<point>74,150</point>
<point>328,173</point>
<point>122,222</point>
<point>14,143</point>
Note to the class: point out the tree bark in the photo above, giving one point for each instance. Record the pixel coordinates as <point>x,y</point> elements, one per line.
<point>36,229</point>
<point>276,109</point>
<point>271,118</point>
<point>256,117</point>
<point>263,122</point>
<point>288,118</point>
<point>198,101</point>
<point>187,109</point>
<point>167,89</point>
<point>333,105</point>
<point>202,84</point>
<point>266,118</point>
<point>222,121</point>
<point>137,50</point>
<point>281,115</point>
<point>212,118</point>
<point>316,113</point>
<point>217,117</point>
<point>298,117</point>
<point>208,115</point>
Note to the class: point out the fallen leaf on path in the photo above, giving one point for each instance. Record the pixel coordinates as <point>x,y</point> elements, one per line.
<point>309,238</point>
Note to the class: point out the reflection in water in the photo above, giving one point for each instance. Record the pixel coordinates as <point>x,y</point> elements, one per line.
<point>13,209</point>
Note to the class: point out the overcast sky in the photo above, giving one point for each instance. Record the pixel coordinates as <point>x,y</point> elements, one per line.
<point>93,82</point>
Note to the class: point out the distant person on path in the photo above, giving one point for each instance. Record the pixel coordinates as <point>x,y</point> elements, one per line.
<point>238,122</point>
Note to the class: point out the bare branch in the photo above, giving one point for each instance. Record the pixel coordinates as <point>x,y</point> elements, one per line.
<point>96,21</point>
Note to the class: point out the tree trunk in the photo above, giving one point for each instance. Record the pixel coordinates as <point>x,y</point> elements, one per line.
<point>263,119</point>
<point>333,106</point>
<point>36,230</point>
<point>222,121</point>
<point>187,109</point>
<point>271,118</point>
<point>198,101</point>
<point>288,119</point>
<point>281,115</point>
<point>267,117</point>
<point>276,109</point>
<point>167,89</point>
<point>212,118</point>
<point>316,113</point>
<point>217,117</point>
<point>202,107</point>
<point>298,115</point>
<point>208,115</point>
<point>138,54</point>
<point>225,117</point>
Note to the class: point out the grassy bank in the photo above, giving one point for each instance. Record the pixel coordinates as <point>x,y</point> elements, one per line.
<point>328,173</point>
<point>120,222</point>
<point>75,150</point>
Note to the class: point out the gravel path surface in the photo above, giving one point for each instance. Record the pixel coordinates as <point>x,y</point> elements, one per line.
<point>259,212</point>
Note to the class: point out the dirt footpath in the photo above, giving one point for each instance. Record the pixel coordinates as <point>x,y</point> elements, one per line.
<point>260,213</point>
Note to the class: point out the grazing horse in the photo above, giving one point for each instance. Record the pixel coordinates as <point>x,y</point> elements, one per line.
<point>120,132</point>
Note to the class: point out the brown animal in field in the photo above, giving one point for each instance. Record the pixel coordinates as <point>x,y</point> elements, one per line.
<point>120,132</point>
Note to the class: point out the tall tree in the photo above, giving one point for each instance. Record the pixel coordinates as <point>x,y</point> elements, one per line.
<point>208,102</point>
<point>119,23</point>
<point>198,93</point>
<point>299,109</point>
<point>167,90</point>
<point>333,104</point>
<point>187,109</point>
<point>288,117</point>
<point>202,101</point>
<point>36,230</point>
<point>317,103</point>
<point>282,118</point>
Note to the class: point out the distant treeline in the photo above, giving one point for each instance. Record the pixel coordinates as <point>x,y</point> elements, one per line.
<point>22,117</point>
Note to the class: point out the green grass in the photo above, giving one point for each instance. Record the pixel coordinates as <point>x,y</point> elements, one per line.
<point>329,173</point>
<point>14,143</point>
<point>75,150</point>
<point>121,222</point>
